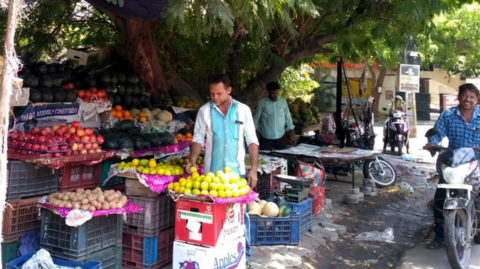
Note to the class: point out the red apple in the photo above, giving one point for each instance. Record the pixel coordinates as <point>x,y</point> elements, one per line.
<point>37,154</point>
<point>86,99</point>
<point>93,138</point>
<point>71,130</point>
<point>95,145</point>
<point>98,150</point>
<point>60,139</point>
<point>42,139</point>
<point>35,130</point>
<point>88,146</point>
<point>80,132</point>
<point>28,145</point>
<point>55,127</point>
<point>88,131</point>
<point>57,154</point>
<point>63,148</point>
<point>68,153</point>
<point>14,135</point>
<point>75,152</point>
<point>59,132</point>
<point>49,141</point>
<point>75,124</point>
<point>93,89</point>
<point>83,152</point>
<point>35,146</point>
<point>71,141</point>
<point>67,136</point>
<point>81,93</point>
<point>14,144</point>
<point>54,148</point>
<point>74,147</point>
<point>100,139</point>
<point>80,146</point>
<point>23,152</point>
<point>21,144</point>
<point>85,139</point>
<point>21,137</point>
<point>91,151</point>
<point>43,147</point>
<point>76,137</point>
<point>35,138</point>
<point>63,128</point>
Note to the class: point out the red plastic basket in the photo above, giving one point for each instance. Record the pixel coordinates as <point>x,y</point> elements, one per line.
<point>20,217</point>
<point>76,175</point>
<point>267,183</point>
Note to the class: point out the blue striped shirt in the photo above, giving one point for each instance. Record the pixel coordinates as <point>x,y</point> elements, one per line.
<point>460,134</point>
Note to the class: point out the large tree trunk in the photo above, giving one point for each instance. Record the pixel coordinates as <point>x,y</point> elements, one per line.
<point>142,54</point>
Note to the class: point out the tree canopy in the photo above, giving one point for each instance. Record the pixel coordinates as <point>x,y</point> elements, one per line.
<point>453,41</point>
<point>252,41</point>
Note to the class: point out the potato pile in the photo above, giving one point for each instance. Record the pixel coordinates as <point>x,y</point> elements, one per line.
<point>90,200</point>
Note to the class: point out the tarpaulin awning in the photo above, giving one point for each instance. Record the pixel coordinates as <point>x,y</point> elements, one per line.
<point>150,10</point>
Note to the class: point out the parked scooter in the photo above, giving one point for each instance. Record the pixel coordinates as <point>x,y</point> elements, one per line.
<point>459,171</point>
<point>396,132</point>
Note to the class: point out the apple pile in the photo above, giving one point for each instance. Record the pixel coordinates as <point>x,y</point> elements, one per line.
<point>92,95</point>
<point>57,141</point>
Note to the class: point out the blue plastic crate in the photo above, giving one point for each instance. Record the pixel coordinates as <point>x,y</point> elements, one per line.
<point>17,263</point>
<point>304,208</point>
<point>141,251</point>
<point>73,243</point>
<point>275,230</point>
<point>185,116</point>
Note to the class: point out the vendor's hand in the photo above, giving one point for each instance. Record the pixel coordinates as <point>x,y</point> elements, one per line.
<point>429,147</point>
<point>189,165</point>
<point>252,178</point>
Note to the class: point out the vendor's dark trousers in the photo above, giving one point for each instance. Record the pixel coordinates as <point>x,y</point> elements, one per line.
<point>269,144</point>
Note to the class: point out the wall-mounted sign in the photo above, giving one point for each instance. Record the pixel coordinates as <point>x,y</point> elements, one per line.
<point>409,78</point>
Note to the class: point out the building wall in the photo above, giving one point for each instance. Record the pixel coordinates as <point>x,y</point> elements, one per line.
<point>442,77</point>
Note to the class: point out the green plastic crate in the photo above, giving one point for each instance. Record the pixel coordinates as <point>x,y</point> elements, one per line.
<point>114,181</point>
<point>9,252</point>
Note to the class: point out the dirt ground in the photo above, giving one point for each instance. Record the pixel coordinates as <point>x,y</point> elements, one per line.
<point>408,215</point>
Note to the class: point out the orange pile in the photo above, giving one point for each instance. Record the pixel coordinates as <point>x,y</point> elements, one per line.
<point>120,114</point>
<point>187,137</point>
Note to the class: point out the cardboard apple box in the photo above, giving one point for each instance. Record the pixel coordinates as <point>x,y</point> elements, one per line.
<point>228,256</point>
<point>208,224</point>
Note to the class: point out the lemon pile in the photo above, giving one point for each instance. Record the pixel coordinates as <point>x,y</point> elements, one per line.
<point>151,167</point>
<point>223,184</point>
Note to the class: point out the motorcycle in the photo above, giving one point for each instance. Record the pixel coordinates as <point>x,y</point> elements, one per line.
<point>378,169</point>
<point>396,132</point>
<point>459,172</point>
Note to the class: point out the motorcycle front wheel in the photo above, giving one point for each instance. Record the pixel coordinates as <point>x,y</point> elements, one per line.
<point>457,230</point>
<point>381,171</point>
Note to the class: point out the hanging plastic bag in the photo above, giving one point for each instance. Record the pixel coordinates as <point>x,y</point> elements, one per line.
<point>315,171</point>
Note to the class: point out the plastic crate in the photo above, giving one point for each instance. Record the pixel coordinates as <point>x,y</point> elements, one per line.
<point>114,181</point>
<point>158,214</point>
<point>267,183</point>
<point>9,252</point>
<point>275,230</point>
<point>185,116</point>
<point>76,175</point>
<point>20,217</point>
<point>73,243</point>
<point>17,263</point>
<point>148,252</point>
<point>25,181</point>
<point>305,210</point>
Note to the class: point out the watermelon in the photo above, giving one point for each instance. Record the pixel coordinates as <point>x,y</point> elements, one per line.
<point>29,59</point>
<point>58,95</point>
<point>35,96</point>
<point>285,211</point>
<point>280,201</point>
<point>40,69</point>
<point>51,68</point>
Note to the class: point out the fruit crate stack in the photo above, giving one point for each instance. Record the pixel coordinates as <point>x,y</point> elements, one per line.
<point>77,175</point>
<point>148,235</point>
<point>209,235</point>
<point>98,239</point>
<point>26,185</point>
<point>115,183</point>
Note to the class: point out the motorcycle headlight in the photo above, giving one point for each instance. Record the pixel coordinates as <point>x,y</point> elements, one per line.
<point>456,175</point>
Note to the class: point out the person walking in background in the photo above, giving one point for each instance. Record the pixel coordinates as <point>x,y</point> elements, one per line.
<point>225,125</point>
<point>273,120</point>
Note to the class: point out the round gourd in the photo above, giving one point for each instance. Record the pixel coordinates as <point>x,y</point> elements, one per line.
<point>254,208</point>
<point>155,111</point>
<point>262,203</point>
<point>134,112</point>
<point>285,211</point>
<point>270,210</point>
<point>280,201</point>
<point>164,116</point>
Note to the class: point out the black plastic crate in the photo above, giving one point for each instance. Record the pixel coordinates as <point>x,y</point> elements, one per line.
<point>25,180</point>
<point>74,243</point>
<point>158,214</point>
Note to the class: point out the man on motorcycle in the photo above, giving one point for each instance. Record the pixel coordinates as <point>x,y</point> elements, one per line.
<point>461,125</point>
<point>396,105</point>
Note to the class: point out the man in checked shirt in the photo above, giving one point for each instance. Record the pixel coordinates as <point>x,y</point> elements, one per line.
<point>461,125</point>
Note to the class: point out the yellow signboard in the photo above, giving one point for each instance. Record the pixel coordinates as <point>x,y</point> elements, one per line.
<point>354,89</point>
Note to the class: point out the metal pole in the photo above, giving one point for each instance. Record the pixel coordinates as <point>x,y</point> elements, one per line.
<point>338,120</point>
